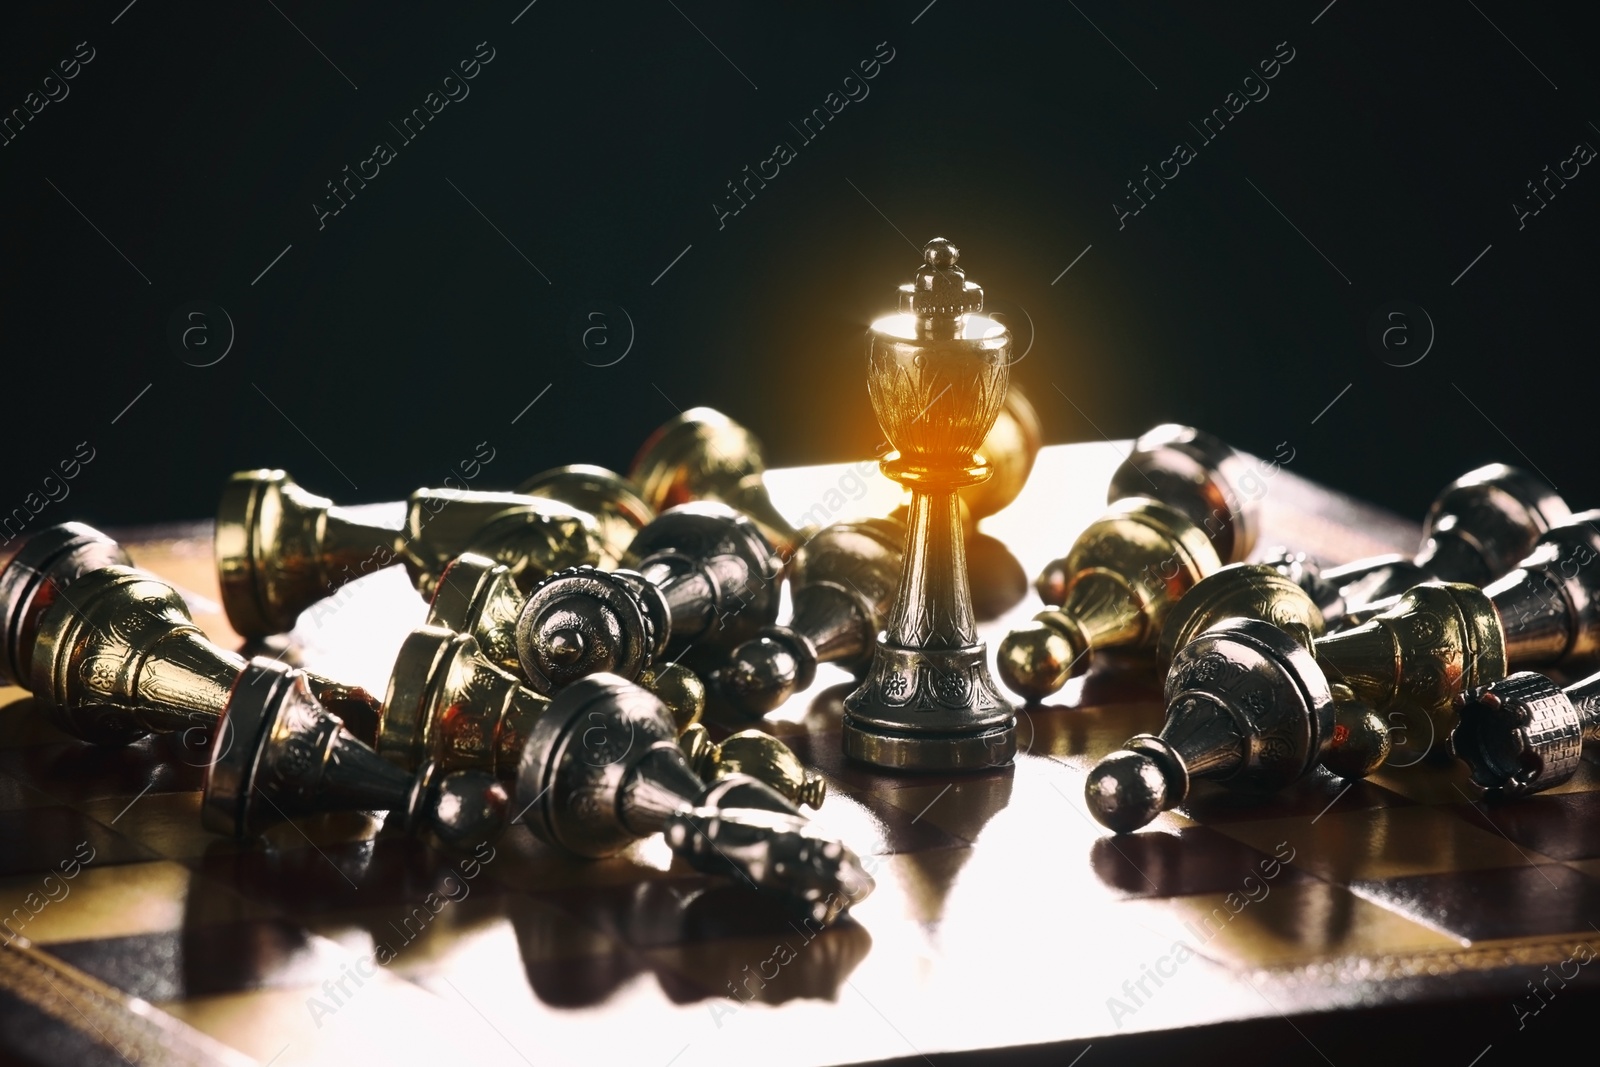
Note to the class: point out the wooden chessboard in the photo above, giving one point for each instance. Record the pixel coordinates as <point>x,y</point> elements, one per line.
<point>1331,922</point>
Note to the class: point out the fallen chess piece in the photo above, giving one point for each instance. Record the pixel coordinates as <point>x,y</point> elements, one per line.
<point>842,584</point>
<point>476,595</point>
<point>278,754</point>
<point>1524,734</point>
<point>39,574</point>
<point>122,658</point>
<point>1198,474</point>
<point>603,769</point>
<point>1247,707</point>
<point>1478,528</point>
<point>759,755</point>
<point>281,549</point>
<point>701,575</point>
<point>619,511</point>
<point>1361,741</point>
<point>1440,639</point>
<point>1116,587</point>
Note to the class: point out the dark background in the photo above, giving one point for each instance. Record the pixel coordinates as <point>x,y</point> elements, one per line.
<point>379,350</point>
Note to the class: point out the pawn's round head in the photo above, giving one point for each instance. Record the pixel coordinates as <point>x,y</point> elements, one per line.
<point>1126,790</point>
<point>761,674</point>
<point>465,809</point>
<point>1037,659</point>
<point>1361,742</point>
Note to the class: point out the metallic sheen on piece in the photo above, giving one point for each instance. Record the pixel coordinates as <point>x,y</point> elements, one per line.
<point>43,568</point>
<point>842,583</point>
<point>1115,590</point>
<point>475,595</point>
<point>1361,740</point>
<point>1476,530</point>
<point>603,769</point>
<point>758,754</point>
<point>279,755</point>
<point>123,659</point>
<point>702,576</point>
<point>1525,734</point>
<point>1198,474</point>
<point>448,704</point>
<point>281,550</point>
<point>1246,707</point>
<point>618,509</point>
<point>1437,640</point>
<point>936,373</point>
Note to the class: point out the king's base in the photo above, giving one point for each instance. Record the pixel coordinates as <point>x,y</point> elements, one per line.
<point>929,709</point>
<point>930,752</point>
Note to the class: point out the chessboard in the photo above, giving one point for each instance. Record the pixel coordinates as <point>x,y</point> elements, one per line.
<point>1334,921</point>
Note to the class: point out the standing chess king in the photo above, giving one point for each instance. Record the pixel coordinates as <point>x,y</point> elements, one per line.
<point>937,374</point>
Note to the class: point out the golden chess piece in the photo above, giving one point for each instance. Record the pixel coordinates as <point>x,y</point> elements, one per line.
<point>1201,476</point>
<point>475,595</point>
<point>1439,639</point>
<point>279,754</point>
<point>618,509</point>
<point>281,550</point>
<point>1476,530</point>
<point>1524,734</point>
<point>1011,446</point>
<point>936,374</point>
<point>760,755</point>
<point>38,575</point>
<point>1115,590</point>
<point>448,704</point>
<point>842,584</point>
<point>123,659</point>
<point>702,576</point>
<point>1361,740</point>
<point>1246,707</point>
<point>702,454</point>
<point>603,768</point>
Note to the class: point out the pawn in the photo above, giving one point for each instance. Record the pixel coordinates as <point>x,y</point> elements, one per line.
<point>757,754</point>
<point>477,596</point>
<point>1114,589</point>
<point>704,577</point>
<point>1437,640</point>
<point>1201,476</point>
<point>1246,707</point>
<point>603,769</point>
<point>38,575</point>
<point>279,754</point>
<point>619,512</point>
<point>448,704</point>
<point>281,549</point>
<point>122,659</point>
<point>842,582</point>
<point>1361,739</point>
<point>1477,529</point>
<point>1525,734</point>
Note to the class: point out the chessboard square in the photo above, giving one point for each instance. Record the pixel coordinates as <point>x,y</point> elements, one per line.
<point>797,963</point>
<point>824,752</point>
<point>1318,793</point>
<point>1526,900</point>
<point>1381,843</point>
<point>169,824</point>
<point>197,960</point>
<point>1091,717</point>
<point>46,840</point>
<point>121,901</point>
<point>1265,923</point>
<point>311,880</point>
<point>874,823</point>
<point>1562,826</point>
<point>73,771</point>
